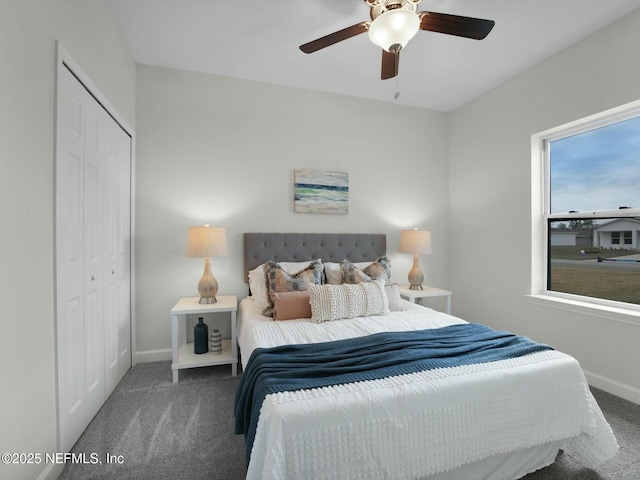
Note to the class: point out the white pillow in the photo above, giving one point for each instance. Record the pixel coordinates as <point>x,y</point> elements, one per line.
<point>258,282</point>
<point>334,302</point>
<point>333,273</point>
<point>258,286</point>
<point>396,303</point>
<point>295,267</point>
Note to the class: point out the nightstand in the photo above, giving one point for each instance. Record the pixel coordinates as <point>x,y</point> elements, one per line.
<point>412,295</point>
<point>183,355</point>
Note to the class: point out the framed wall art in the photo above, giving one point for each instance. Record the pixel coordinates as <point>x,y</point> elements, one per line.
<point>318,191</point>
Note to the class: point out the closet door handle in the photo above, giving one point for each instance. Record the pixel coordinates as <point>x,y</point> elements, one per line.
<point>93,278</point>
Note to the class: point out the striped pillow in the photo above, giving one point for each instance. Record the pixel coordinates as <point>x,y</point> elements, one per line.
<point>335,302</point>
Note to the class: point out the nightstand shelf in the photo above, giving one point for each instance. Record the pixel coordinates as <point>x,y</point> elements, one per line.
<point>413,295</point>
<point>183,354</point>
<point>188,359</point>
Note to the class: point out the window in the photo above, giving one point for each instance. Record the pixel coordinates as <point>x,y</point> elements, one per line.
<point>627,237</point>
<point>590,200</point>
<point>615,238</point>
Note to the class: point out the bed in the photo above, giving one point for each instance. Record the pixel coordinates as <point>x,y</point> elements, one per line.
<point>499,419</point>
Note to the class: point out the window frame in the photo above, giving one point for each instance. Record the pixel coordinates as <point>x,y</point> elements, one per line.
<point>542,218</point>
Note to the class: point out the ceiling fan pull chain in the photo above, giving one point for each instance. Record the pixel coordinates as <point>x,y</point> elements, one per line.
<point>396,95</point>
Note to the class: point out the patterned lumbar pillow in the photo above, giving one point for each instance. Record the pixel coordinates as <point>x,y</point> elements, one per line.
<point>380,269</point>
<point>334,302</point>
<point>278,280</point>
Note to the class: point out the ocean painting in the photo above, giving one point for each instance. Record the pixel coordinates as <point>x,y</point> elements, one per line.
<point>317,191</point>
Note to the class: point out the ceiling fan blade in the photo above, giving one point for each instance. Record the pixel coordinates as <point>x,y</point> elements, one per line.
<point>390,63</point>
<point>467,27</point>
<point>335,37</point>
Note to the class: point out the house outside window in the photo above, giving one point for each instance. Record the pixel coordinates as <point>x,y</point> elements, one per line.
<point>586,243</point>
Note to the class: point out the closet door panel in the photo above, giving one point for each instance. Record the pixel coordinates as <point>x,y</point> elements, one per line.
<point>123,154</point>
<point>116,307</point>
<point>70,276</point>
<point>94,155</point>
<point>111,261</point>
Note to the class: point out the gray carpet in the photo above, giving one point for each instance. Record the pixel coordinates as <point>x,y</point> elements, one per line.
<point>165,430</point>
<point>185,432</point>
<point>624,418</point>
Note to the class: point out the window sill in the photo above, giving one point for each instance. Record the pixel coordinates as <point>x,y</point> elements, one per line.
<point>617,314</point>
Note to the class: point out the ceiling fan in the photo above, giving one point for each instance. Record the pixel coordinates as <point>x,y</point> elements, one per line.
<point>395,22</point>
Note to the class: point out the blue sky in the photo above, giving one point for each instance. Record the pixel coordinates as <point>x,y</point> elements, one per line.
<point>597,170</point>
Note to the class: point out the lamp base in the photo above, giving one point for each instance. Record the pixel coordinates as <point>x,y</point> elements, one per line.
<point>208,285</point>
<point>208,300</point>
<point>416,277</point>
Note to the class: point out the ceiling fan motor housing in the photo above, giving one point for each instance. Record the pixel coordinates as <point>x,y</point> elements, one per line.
<point>378,7</point>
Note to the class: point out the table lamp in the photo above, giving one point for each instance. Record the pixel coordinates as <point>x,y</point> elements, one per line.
<point>206,242</point>
<point>417,242</point>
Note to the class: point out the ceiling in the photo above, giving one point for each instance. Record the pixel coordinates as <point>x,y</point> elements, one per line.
<point>259,39</point>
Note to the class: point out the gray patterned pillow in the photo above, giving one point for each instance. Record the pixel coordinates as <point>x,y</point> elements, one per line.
<point>280,281</point>
<point>380,269</point>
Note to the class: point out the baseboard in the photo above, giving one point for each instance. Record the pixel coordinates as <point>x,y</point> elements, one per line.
<point>613,387</point>
<point>147,356</point>
<point>51,471</point>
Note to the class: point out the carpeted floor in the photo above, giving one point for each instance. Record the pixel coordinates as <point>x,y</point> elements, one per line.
<point>624,418</point>
<point>185,432</point>
<point>163,430</point>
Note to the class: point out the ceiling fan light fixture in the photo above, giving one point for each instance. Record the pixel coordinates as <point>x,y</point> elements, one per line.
<point>393,29</point>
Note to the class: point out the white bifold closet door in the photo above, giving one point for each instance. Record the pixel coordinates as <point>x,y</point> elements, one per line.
<point>93,273</point>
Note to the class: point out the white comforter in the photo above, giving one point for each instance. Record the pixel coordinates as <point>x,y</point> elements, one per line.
<point>419,424</point>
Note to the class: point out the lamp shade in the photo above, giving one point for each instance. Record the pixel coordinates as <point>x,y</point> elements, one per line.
<point>394,28</point>
<point>205,242</point>
<point>415,241</point>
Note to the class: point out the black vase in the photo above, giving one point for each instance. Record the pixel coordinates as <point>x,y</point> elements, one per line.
<point>201,337</point>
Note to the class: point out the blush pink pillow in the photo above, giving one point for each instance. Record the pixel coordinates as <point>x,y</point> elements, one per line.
<point>291,305</point>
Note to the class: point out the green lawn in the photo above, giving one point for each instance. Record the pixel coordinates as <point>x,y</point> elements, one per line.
<point>610,284</point>
<point>622,285</point>
<point>573,253</point>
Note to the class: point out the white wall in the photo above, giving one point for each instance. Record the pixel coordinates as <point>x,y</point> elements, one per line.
<point>490,194</point>
<point>28,30</point>
<point>223,151</point>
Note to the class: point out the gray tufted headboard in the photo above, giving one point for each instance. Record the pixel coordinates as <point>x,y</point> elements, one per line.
<point>299,247</point>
